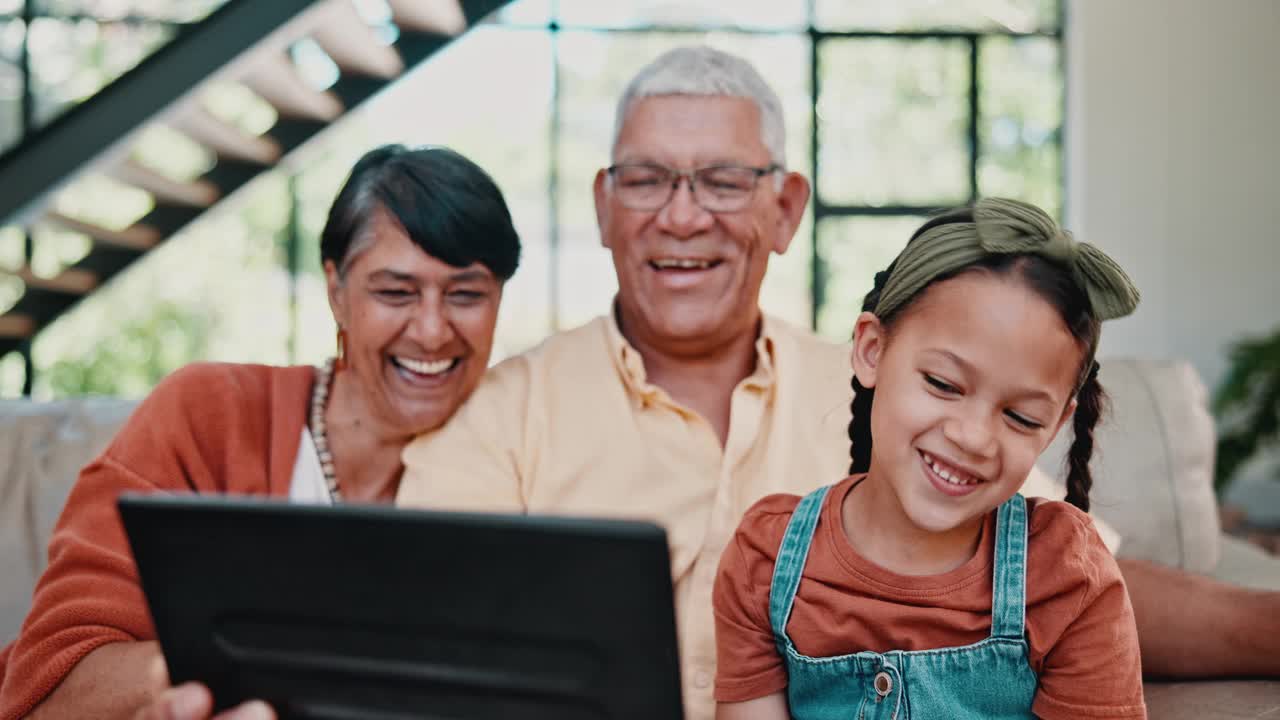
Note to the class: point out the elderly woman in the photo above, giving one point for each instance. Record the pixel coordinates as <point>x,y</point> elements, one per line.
<point>416,250</point>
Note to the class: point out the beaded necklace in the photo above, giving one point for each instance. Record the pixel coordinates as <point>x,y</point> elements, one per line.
<point>319,398</point>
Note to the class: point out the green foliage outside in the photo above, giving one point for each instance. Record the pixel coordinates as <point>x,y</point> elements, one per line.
<point>135,357</point>
<point>1247,405</point>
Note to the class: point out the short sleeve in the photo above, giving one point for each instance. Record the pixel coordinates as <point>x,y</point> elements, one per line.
<point>1093,667</point>
<point>748,665</point>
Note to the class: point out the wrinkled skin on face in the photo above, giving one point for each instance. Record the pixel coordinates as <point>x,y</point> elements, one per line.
<point>688,279</point>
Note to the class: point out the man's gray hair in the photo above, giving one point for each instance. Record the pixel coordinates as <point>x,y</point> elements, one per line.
<point>700,70</point>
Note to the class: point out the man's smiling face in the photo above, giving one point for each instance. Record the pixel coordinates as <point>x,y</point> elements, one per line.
<point>686,275</point>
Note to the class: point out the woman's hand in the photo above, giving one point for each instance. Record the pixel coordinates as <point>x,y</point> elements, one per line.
<point>130,680</point>
<point>193,701</point>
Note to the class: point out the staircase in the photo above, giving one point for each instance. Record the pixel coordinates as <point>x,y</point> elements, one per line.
<point>244,41</point>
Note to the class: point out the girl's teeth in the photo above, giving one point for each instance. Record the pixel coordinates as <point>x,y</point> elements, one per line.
<point>954,479</point>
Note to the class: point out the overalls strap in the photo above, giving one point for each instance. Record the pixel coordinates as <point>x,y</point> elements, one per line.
<point>1009,587</point>
<point>792,554</point>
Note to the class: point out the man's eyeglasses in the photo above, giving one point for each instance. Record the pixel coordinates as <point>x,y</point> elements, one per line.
<point>719,189</point>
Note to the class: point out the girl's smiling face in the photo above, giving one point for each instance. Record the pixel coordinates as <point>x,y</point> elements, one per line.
<point>972,381</point>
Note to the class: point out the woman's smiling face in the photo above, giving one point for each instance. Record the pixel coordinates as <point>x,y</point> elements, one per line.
<point>418,330</point>
<point>971,383</point>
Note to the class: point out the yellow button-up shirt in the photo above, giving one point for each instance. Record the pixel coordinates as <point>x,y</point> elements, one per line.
<point>573,427</point>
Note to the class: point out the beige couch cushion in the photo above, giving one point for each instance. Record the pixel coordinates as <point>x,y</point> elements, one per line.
<point>1152,468</point>
<point>42,448</point>
<point>1153,463</point>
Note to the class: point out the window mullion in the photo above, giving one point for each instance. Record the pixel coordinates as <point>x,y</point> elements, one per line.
<point>975,109</point>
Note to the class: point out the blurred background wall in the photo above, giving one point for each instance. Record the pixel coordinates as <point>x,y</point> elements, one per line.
<point>1173,165</point>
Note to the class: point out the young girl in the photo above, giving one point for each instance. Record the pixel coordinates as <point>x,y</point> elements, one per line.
<point>924,585</point>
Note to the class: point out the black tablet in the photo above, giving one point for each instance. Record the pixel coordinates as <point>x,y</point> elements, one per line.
<point>375,612</point>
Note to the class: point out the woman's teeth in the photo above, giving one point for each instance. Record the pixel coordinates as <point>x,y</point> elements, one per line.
<point>681,264</point>
<point>955,477</point>
<point>426,367</point>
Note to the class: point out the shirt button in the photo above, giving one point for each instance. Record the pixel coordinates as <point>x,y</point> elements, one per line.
<point>883,683</point>
<point>702,679</point>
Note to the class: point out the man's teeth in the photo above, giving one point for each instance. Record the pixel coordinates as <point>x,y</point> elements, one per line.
<point>426,367</point>
<point>955,477</point>
<point>681,264</point>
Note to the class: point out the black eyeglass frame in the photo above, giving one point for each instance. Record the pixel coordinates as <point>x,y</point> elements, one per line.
<point>691,177</point>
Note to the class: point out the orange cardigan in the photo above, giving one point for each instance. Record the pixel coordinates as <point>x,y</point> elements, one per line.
<point>207,428</point>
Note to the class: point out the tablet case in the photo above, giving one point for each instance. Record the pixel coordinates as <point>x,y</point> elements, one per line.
<point>375,612</point>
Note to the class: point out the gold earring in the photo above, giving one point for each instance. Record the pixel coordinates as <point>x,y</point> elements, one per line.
<point>340,361</point>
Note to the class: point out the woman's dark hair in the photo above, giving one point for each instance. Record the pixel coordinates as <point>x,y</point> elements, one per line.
<point>448,206</point>
<point>1053,282</point>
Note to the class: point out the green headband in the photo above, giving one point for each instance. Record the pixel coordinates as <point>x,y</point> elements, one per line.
<point>1007,227</point>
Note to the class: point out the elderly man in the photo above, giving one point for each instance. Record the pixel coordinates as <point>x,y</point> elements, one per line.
<point>686,403</point>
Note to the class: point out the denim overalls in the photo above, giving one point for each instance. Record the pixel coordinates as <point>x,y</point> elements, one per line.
<point>989,679</point>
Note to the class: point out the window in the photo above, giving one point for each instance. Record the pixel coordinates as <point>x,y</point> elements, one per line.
<point>895,108</point>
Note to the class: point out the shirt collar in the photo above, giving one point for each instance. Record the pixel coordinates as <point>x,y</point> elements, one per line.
<point>630,365</point>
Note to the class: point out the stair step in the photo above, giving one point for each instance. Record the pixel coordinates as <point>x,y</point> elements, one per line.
<point>44,305</point>
<point>230,173</point>
<point>104,261</point>
<point>93,131</point>
<point>136,236</point>
<point>68,282</point>
<point>415,46</point>
<point>225,140</point>
<point>276,79</point>
<point>16,326</point>
<point>444,17</point>
<point>169,219</point>
<point>293,132</point>
<point>198,193</point>
<point>355,89</point>
<point>354,46</point>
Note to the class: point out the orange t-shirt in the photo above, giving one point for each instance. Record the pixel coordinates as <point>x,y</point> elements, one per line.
<point>1080,627</point>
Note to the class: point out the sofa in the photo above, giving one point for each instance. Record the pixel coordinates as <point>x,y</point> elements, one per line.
<point>1153,468</point>
<point>1153,483</point>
